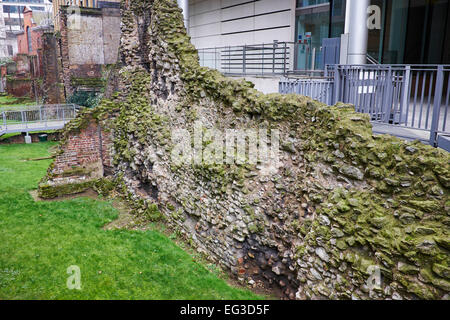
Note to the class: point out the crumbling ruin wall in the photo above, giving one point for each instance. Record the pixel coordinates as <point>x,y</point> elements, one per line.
<point>342,204</point>
<point>88,45</point>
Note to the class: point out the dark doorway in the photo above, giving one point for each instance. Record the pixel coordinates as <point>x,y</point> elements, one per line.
<point>428,36</point>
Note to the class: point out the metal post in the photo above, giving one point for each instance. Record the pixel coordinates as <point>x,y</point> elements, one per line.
<point>337,84</point>
<point>437,105</point>
<point>356,27</point>
<point>263,52</point>
<point>22,117</point>
<point>406,93</point>
<point>215,58</point>
<point>284,63</point>
<point>229,59</point>
<point>313,59</point>
<point>273,58</point>
<point>388,98</point>
<point>4,119</point>
<point>244,57</point>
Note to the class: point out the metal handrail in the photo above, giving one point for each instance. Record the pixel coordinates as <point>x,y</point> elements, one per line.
<point>36,118</point>
<point>371,59</point>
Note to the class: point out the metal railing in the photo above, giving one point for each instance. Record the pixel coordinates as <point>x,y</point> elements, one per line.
<point>407,96</point>
<point>318,89</point>
<point>36,118</point>
<point>371,60</point>
<point>260,59</point>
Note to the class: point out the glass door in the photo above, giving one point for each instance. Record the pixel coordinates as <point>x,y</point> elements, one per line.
<point>312,26</point>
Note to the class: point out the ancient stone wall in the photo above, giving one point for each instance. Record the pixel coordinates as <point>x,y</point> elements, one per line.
<point>343,215</point>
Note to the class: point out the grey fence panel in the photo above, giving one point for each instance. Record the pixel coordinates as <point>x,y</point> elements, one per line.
<point>409,96</point>
<point>276,58</point>
<point>318,89</point>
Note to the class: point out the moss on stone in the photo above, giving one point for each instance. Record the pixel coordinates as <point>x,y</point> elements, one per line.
<point>47,191</point>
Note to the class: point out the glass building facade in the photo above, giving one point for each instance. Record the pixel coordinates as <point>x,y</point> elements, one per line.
<point>412,31</point>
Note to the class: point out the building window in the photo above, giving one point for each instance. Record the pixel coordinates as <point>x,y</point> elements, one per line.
<point>30,46</point>
<point>10,50</point>
<point>312,26</point>
<point>307,3</point>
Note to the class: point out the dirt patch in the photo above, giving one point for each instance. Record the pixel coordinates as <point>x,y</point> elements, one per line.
<point>20,138</point>
<point>37,159</point>
<point>125,220</point>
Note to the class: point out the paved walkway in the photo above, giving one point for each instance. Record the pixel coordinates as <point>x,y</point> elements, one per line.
<point>401,132</point>
<point>34,126</point>
<point>410,134</point>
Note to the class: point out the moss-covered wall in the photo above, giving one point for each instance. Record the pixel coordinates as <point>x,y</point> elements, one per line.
<point>341,201</point>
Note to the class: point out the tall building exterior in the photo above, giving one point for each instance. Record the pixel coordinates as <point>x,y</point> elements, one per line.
<point>403,31</point>
<point>231,22</point>
<point>13,11</point>
<point>3,47</point>
<point>409,31</point>
<point>12,21</point>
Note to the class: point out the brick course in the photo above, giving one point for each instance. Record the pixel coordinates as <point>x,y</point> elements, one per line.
<point>89,146</point>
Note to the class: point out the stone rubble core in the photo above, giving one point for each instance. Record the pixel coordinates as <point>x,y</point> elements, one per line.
<point>342,201</point>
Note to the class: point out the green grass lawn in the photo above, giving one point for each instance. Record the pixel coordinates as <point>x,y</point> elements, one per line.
<point>40,240</point>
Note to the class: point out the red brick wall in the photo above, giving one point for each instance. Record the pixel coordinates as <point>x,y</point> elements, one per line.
<point>19,87</point>
<point>22,39</point>
<point>23,65</point>
<point>83,149</point>
<point>22,43</point>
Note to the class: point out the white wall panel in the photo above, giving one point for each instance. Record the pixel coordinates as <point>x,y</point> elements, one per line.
<point>205,18</point>
<point>209,26</point>
<point>205,30</point>
<point>273,20</point>
<point>208,42</point>
<point>227,3</point>
<point>238,12</point>
<point>268,36</point>
<point>200,7</point>
<point>247,24</point>
<point>265,6</point>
